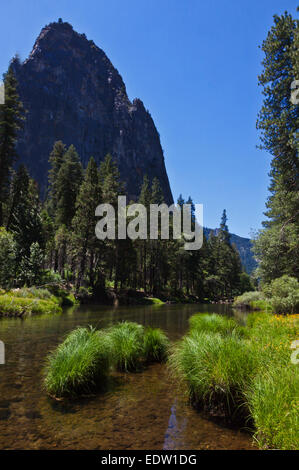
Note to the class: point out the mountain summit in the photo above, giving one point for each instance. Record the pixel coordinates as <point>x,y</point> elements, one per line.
<point>73,93</point>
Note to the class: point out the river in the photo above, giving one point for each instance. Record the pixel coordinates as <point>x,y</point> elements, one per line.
<point>146,410</point>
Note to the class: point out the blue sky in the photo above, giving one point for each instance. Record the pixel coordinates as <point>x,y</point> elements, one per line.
<point>194,64</point>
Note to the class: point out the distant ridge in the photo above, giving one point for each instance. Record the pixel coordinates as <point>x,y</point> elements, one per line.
<point>243,245</point>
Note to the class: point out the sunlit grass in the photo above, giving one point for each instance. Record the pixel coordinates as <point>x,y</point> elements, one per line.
<point>11,305</point>
<point>155,345</point>
<point>127,341</point>
<point>214,323</point>
<point>249,375</point>
<point>79,364</point>
<point>216,369</point>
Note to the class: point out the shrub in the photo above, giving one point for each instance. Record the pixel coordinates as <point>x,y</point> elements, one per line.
<point>245,300</point>
<point>79,364</point>
<point>214,323</point>
<point>84,294</point>
<point>49,277</point>
<point>7,258</point>
<point>155,345</point>
<point>127,341</point>
<point>33,293</point>
<point>283,294</point>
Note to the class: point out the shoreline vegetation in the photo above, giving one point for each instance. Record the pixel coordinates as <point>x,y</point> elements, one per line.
<point>280,296</point>
<point>244,374</point>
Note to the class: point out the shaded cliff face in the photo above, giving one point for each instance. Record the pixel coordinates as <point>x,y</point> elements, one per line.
<point>73,93</point>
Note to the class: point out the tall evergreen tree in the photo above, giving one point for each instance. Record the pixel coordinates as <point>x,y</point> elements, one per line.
<point>69,179</point>
<point>224,233</point>
<point>83,224</point>
<point>55,160</point>
<point>11,115</point>
<point>18,193</point>
<point>276,247</point>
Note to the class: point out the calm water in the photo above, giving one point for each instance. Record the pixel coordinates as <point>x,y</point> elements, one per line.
<point>140,411</point>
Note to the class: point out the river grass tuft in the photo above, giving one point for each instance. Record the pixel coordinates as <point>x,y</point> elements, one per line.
<point>127,341</point>
<point>79,364</point>
<point>155,345</point>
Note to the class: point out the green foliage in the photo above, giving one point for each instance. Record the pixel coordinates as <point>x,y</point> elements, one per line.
<point>85,243</point>
<point>55,160</point>
<point>7,258</point>
<point>217,369</point>
<point>276,246</point>
<point>273,402</point>
<point>155,345</point>
<point>79,364</point>
<point>33,293</point>
<point>14,306</point>
<point>283,294</point>
<point>127,341</point>
<point>273,394</point>
<point>245,300</point>
<point>245,377</point>
<point>11,116</point>
<point>214,323</point>
<point>31,267</point>
<point>69,179</point>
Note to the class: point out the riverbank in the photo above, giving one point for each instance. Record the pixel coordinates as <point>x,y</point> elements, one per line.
<point>24,302</point>
<point>280,296</point>
<point>244,374</point>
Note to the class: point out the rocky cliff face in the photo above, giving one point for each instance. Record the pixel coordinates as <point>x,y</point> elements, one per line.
<point>73,93</point>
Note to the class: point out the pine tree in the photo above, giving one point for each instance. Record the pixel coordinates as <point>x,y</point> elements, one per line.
<point>223,232</point>
<point>18,192</point>
<point>55,160</point>
<point>11,115</point>
<point>276,247</point>
<point>26,221</point>
<point>83,224</point>
<point>69,179</point>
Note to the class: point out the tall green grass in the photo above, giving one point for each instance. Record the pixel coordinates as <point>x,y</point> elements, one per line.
<point>84,358</point>
<point>127,340</point>
<point>217,369</point>
<point>273,400</point>
<point>79,364</point>
<point>155,345</point>
<point>214,323</point>
<point>245,376</point>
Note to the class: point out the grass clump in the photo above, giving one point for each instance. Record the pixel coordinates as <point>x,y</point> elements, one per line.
<point>79,364</point>
<point>217,370</point>
<point>214,323</point>
<point>127,341</point>
<point>155,345</point>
